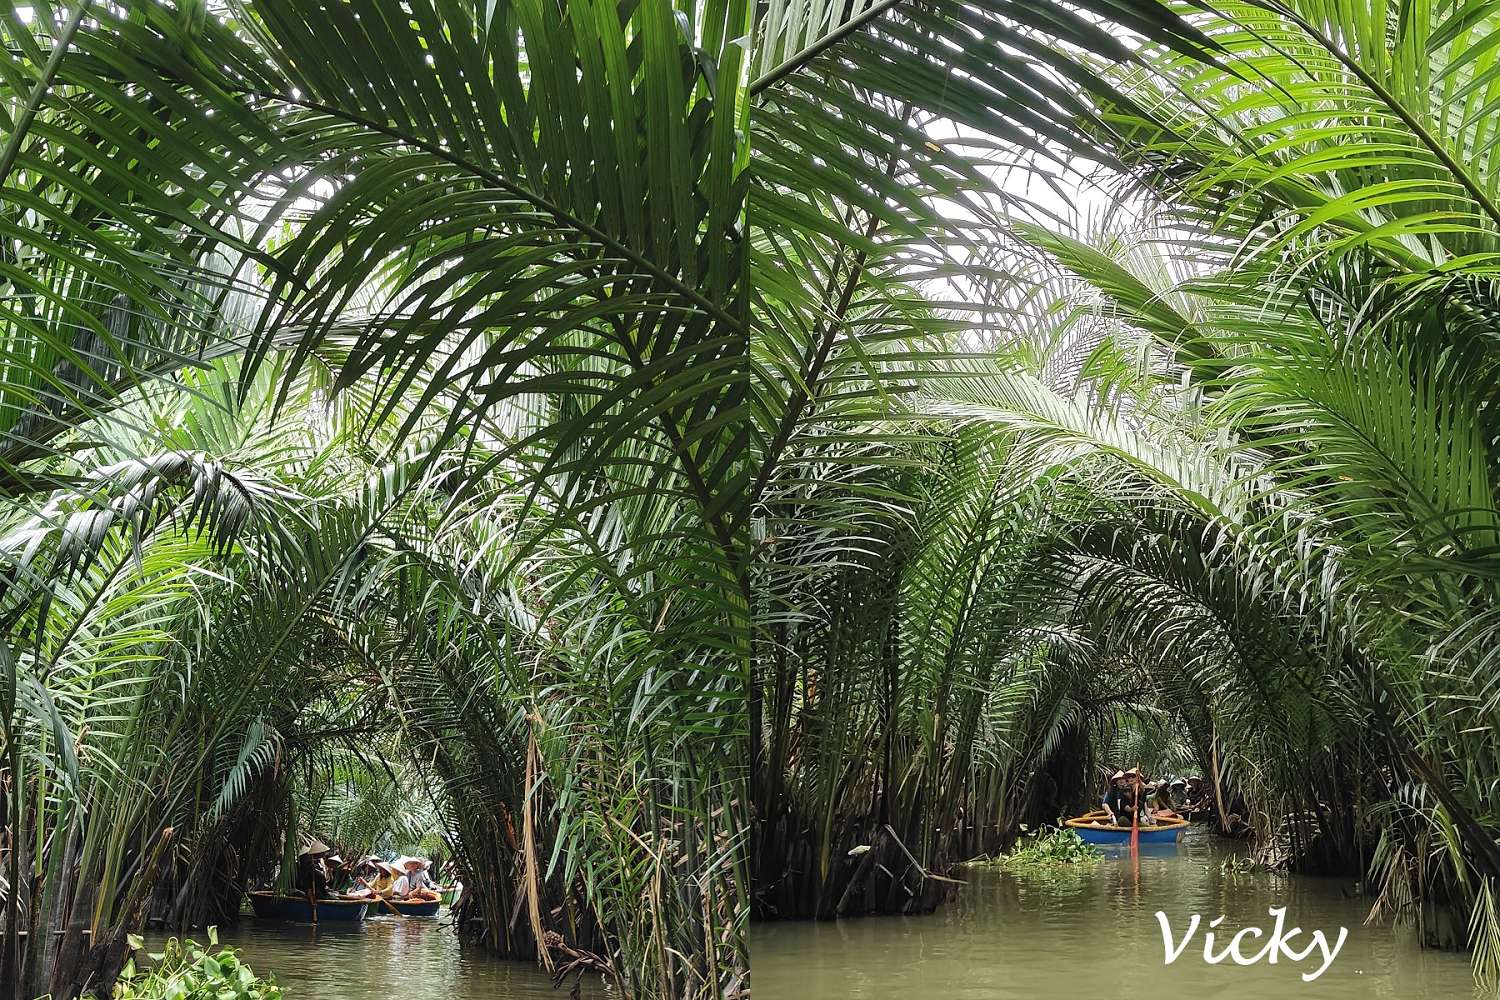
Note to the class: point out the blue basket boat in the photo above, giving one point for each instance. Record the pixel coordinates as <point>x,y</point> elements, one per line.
<point>1095,828</point>
<point>299,910</point>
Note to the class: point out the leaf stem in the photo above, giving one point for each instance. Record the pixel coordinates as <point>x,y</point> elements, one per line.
<point>823,44</point>
<point>510,187</point>
<point>34,101</point>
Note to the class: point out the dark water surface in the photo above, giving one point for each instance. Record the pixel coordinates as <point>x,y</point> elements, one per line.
<point>385,957</point>
<point>1007,937</point>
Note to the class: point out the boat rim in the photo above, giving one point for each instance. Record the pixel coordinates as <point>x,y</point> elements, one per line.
<point>1084,822</point>
<point>321,901</point>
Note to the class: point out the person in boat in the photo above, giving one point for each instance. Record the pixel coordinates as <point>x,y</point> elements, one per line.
<point>314,876</point>
<point>1160,802</point>
<point>363,874</point>
<point>1143,789</point>
<point>415,883</point>
<point>359,875</point>
<point>1119,799</point>
<point>377,881</point>
<point>385,881</point>
<point>1177,793</point>
<point>1127,799</point>
<point>1196,796</point>
<point>338,873</point>
<point>347,879</point>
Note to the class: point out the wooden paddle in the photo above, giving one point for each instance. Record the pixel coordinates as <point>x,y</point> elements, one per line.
<point>1135,815</point>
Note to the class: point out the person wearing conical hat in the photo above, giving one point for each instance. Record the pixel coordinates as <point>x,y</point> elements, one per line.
<point>384,883</point>
<point>414,882</point>
<point>314,874</point>
<point>1121,799</point>
<point>313,846</point>
<point>1115,794</point>
<point>1140,789</point>
<point>374,878</point>
<point>1162,799</point>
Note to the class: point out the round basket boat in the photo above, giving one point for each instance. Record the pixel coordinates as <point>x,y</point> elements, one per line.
<point>1095,828</point>
<point>298,909</point>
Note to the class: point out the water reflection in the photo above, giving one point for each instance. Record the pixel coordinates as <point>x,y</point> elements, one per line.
<point>1006,937</point>
<point>386,955</point>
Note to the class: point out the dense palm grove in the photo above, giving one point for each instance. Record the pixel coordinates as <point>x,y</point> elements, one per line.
<point>391,441</point>
<point>1132,367</point>
<point>368,384</point>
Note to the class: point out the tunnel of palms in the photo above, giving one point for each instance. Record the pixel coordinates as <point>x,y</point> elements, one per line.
<point>367,382</point>
<point>1134,402</point>
<point>715,458</point>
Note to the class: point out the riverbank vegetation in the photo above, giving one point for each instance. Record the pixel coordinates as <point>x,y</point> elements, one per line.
<point>186,970</point>
<point>1055,860</point>
<point>368,432</point>
<point>1136,390</point>
<point>1044,851</point>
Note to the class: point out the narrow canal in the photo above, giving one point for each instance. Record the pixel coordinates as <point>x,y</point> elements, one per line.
<point>1096,935</point>
<point>384,957</point>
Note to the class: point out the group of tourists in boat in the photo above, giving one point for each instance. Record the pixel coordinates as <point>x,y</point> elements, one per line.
<point>1134,805</point>
<point>327,886</point>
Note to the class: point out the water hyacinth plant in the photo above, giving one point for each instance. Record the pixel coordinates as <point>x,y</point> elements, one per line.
<point>186,970</point>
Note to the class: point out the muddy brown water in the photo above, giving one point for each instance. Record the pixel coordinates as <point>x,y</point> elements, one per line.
<point>385,956</point>
<point>1007,937</point>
